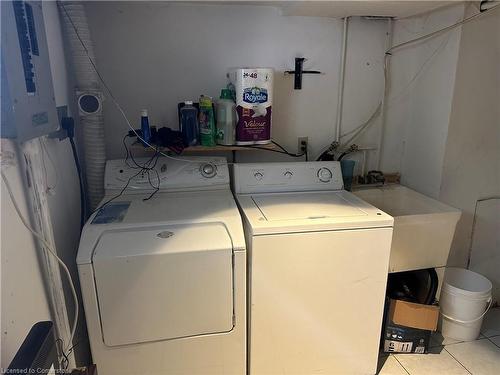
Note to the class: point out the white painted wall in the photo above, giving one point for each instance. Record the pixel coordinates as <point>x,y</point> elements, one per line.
<point>154,55</point>
<point>471,167</point>
<point>23,296</point>
<point>485,245</point>
<point>420,97</point>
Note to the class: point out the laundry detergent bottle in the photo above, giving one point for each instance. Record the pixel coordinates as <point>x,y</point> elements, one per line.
<point>189,124</point>
<point>226,118</point>
<point>206,119</point>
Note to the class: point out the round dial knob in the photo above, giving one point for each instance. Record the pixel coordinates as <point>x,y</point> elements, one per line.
<point>288,174</point>
<point>258,176</point>
<point>208,170</point>
<point>324,174</point>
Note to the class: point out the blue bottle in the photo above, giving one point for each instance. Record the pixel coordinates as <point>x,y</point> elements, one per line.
<point>189,124</point>
<point>146,130</point>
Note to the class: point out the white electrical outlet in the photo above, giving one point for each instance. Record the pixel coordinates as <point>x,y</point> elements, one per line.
<point>302,144</point>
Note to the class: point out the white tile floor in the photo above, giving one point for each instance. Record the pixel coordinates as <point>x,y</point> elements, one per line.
<point>449,357</point>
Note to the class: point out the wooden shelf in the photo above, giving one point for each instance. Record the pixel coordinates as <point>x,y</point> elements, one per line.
<point>201,149</point>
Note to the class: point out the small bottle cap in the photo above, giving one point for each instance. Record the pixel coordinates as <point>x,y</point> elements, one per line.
<point>188,102</point>
<point>226,94</point>
<point>144,113</point>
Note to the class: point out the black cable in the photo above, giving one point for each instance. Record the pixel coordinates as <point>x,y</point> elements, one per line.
<point>157,188</point>
<point>434,282</point>
<point>342,156</point>
<point>282,151</point>
<point>127,155</point>
<point>65,361</point>
<point>80,179</point>
<point>146,168</point>
<point>120,193</point>
<point>289,153</point>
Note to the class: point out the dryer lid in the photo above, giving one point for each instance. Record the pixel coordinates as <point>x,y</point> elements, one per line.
<point>167,239</point>
<point>164,283</point>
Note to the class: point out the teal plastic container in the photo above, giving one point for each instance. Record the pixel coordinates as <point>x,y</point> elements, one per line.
<point>347,167</point>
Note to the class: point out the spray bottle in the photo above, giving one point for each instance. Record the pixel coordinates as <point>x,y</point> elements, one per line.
<point>145,129</point>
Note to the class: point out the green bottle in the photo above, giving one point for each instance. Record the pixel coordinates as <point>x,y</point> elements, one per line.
<point>206,122</point>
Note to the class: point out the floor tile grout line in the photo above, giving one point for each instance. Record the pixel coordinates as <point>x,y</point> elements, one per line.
<point>495,335</point>
<point>404,368</point>
<point>461,364</point>
<point>493,342</point>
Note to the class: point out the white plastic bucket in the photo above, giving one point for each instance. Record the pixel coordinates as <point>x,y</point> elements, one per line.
<point>465,299</point>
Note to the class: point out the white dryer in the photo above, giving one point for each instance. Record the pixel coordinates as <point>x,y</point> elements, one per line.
<point>164,280</point>
<point>318,262</point>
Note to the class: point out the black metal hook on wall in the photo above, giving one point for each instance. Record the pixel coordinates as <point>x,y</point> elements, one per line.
<point>299,71</point>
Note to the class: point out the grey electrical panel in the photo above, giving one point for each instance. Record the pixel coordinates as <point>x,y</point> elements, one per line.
<point>28,103</point>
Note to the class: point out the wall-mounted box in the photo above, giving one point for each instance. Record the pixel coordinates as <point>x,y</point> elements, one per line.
<point>28,103</point>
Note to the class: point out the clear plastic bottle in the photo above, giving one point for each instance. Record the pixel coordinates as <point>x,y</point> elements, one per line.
<point>226,118</point>
<point>189,124</point>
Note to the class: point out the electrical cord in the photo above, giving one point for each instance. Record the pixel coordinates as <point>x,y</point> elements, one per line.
<point>49,248</point>
<point>281,151</point>
<point>287,152</point>
<point>119,194</point>
<point>64,362</point>
<point>146,168</point>
<point>80,180</point>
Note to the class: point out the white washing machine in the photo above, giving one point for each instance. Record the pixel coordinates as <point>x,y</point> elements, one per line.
<point>318,260</point>
<point>164,280</point>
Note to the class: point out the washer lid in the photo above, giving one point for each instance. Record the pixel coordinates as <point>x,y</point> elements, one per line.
<point>164,283</point>
<point>290,212</point>
<point>305,206</point>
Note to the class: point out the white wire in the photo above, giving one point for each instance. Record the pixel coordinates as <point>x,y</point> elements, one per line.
<point>49,248</point>
<point>439,32</point>
<point>387,56</point>
<point>440,48</point>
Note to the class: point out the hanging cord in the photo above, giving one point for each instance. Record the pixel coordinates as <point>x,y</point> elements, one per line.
<point>51,251</point>
<point>80,180</point>
<point>281,150</point>
<point>147,168</point>
<point>289,153</point>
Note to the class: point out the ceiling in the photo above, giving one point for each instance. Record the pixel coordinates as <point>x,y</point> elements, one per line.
<point>343,8</point>
<point>399,9</point>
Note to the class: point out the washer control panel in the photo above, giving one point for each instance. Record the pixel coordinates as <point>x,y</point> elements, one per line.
<point>282,177</point>
<point>180,173</point>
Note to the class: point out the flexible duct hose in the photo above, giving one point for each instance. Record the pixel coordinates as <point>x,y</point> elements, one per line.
<point>86,79</point>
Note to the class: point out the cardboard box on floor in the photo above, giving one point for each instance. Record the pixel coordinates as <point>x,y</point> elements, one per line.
<point>408,327</point>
